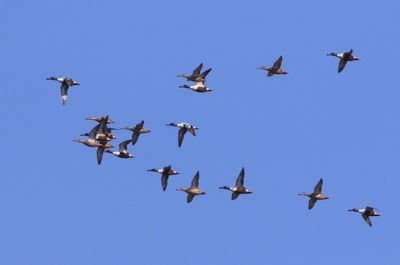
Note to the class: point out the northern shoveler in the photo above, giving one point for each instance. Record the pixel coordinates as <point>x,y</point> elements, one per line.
<point>184,127</point>
<point>315,196</point>
<point>65,84</point>
<point>239,188</point>
<point>165,173</point>
<point>344,58</point>
<point>194,188</point>
<point>275,69</point>
<point>136,131</point>
<point>366,213</point>
<point>196,76</point>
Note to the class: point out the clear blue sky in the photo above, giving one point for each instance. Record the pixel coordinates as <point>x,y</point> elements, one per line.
<point>59,207</point>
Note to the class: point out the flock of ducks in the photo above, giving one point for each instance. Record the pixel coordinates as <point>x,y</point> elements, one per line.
<point>100,136</point>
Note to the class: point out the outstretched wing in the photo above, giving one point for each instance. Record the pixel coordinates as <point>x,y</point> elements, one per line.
<point>235,195</point>
<point>196,72</point>
<point>342,64</point>
<point>123,147</point>
<point>100,152</point>
<point>195,180</point>
<point>311,203</point>
<point>277,64</point>
<point>318,187</point>
<point>135,137</point>
<point>64,93</point>
<point>205,73</point>
<point>93,132</point>
<point>164,181</point>
<point>366,219</point>
<point>190,197</point>
<point>240,179</point>
<point>181,135</point>
<point>139,126</point>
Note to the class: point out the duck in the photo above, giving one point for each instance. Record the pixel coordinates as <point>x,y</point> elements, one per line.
<point>239,188</point>
<point>194,188</point>
<point>136,131</point>
<point>123,150</point>
<point>66,82</point>
<point>165,173</point>
<point>199,87</point>
<point>344,58</point>
<point>109,121</point>
<point>366,213</point>
<point>275,69</point>
<point>184,127</point>
<point>196,76</point>
<point>101,131</point>
<point>316,195</point>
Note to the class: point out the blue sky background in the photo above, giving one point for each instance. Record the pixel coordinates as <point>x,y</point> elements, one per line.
<point>59,207</point>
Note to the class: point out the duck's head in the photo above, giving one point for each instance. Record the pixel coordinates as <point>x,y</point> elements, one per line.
<point>74,83</point>
<point>171,124</point>
<point>262,67</point>
<point>183,75</point>
<point>145,131</point>
<point>152,170</point>
<point>131,155</point>
<point>331,54</point>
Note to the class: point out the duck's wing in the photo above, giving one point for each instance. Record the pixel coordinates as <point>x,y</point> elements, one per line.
<point>181,135</point>
<point>278,63</point>
<point>311,203</point>
<point>94,131</point>
<point>342,64</point>
<point>234,195</point>
<point>195,180</point>
<point>123,147</point>
<point>64,93</point>
<point>366,219</point>
<point>100,152</point>
<point>196,72</point>
<point>135,137</point>
<point>139,126</point>
<point>205,73</point>
<point>189,197</point>
<point>164,181</point>
<point>240,179</point>
<point>318,187</point>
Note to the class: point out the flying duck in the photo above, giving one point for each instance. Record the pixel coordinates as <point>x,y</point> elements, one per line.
<point>344,58</point>
<point>101,132</point>
<point>123,150</point>
<point>275,69</point>
<point>199,87</point>
<point>366,213</point>
<point>65,84</point>
<point>315,196</point>
<point>194,188</point>
<point>196,76</point>
<point>238,189</point>
<point>136,131</point>
<point>184,127</point>
<point>165,173</point>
